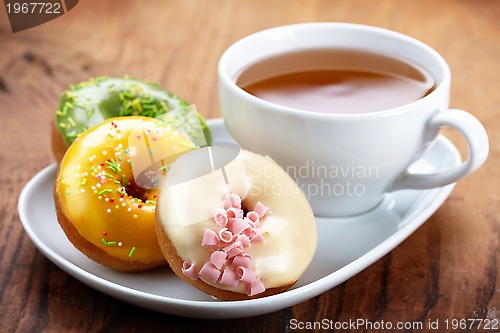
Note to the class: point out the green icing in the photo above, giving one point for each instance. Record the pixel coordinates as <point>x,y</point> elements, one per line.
<point>91,102</point>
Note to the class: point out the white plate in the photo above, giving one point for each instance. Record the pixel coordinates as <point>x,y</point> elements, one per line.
<point>345,246</point>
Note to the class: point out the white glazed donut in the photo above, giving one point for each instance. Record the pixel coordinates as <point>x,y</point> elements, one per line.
<point>238,230</point>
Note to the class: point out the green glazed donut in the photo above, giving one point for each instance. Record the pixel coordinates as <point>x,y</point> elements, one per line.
<point>93,101</point>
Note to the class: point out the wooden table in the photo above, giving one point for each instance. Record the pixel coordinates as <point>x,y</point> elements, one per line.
<point>448,269</point>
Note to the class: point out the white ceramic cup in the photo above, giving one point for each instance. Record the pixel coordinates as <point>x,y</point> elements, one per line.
<point>346,162</point>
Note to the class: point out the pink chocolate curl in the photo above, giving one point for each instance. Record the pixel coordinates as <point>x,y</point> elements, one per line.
<point>232,246</point>
<point>232,200</point>
<point>244,239</point>
<point>246,275</point>
<point>260,209</point>
<point>189,270</point>
<point>234,213</point>
<point>229,264</point>
<point>239,226</point>
<point>220,217</point>
<point>250,232</point>
<point>225,235</point>
<point>235,251</point>
<point>209,272</point>
<point>210,238</point>
<point>257,237</point>
<point>242,260</point>
<point>254,217</point>
<point>254,288</point>
<point>218,258</point>
<point>229,278</point>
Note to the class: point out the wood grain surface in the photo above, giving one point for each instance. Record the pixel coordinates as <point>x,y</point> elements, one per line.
<point>448,269</point>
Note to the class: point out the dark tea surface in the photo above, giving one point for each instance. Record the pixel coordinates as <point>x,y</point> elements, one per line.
<point>336,81</point>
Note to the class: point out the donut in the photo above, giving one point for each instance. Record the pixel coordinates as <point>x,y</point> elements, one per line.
<point>89,103</point>
<point>240,232</point>
<point>106,208</point>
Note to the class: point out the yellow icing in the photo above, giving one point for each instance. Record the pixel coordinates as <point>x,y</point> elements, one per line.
<point>289,228</point>
<point>90,184</point>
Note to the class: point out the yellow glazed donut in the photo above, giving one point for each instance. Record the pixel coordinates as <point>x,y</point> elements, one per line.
<point>99,204</point>
<point>242,231</point>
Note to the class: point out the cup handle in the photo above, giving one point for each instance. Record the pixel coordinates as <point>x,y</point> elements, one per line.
<point>478,147</point>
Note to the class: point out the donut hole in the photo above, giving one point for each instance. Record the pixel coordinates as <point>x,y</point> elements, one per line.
<point>245,208</point>
<point>138,192</point>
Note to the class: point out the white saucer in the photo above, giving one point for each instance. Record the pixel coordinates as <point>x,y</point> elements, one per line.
<point>345,246</point>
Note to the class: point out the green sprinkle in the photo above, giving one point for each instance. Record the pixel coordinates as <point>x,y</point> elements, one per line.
<point>84,181</point>
<point>105,242</point>
<point>59,113</point>
<point>71,121</point>
<point>148,100</point>
<point>137,104</point>
<point>79,105</point>
<point>124,180</point>
<point>112,165</point>
<point>117,183</point>
<point>164,106</point>
<point>153,202</point>
<point>106,190</point>
<point>128,94</point>
<point>132,250</point>
<point>109,175</point>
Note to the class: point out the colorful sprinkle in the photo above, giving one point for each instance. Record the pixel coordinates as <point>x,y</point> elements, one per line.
<point>112,165</point>
<point>106,190</point>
